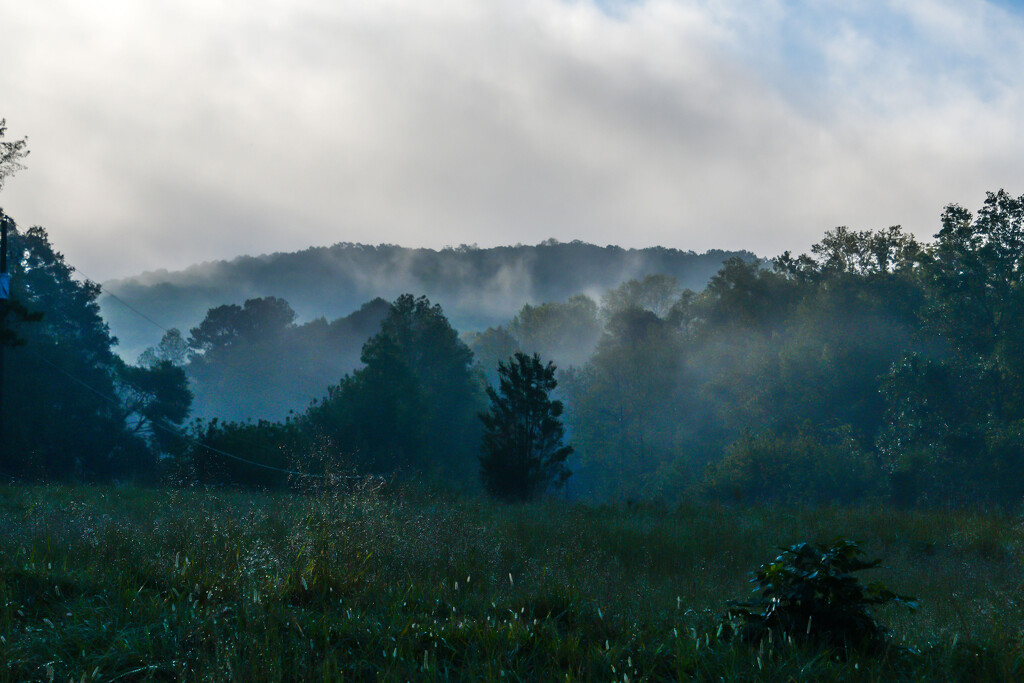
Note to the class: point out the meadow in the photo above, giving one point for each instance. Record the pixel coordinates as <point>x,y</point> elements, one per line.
<point>362,582</point>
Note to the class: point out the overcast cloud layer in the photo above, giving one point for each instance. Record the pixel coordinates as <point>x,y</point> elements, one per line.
<point>168,132</point>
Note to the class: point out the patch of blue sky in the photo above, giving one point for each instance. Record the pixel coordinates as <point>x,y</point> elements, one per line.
<point>1016,6</point>
<point>821,55</point>
<point>616,9</point>
<point>818,53</point>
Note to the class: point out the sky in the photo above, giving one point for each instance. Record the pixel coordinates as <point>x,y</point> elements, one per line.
<point>169,132</point>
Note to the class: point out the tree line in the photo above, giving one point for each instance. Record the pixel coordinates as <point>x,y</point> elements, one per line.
<point>874,367</point>
<point>82,413</point>
<point>477,286</point>
<point>72,408</point>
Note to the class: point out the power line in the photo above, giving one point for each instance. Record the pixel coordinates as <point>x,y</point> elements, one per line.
<point>123,302</point>
<point>135,310</point>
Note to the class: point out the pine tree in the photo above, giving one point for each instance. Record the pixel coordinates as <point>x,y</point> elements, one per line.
<point>523,453</point>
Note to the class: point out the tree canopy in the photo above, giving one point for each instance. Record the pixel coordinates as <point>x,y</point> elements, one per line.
<point>413,406</point>
<point>75,410</point>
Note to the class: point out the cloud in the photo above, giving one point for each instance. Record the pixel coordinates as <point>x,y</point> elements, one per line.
<point>165,133</point>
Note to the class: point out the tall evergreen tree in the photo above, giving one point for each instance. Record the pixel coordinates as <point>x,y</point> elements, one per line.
<point>523,453</point>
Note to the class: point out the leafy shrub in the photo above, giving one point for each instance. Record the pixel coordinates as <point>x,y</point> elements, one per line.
<point>808,594</point>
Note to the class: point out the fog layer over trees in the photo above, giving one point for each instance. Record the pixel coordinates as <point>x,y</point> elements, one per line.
<point>272,365</point>
<point>477,287</point>
<point>872,368</point>
<point>253,361</point>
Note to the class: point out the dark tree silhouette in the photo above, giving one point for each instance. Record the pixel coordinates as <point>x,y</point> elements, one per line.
<point>68,421</point>
<point>224,325</point>
<point>413,406</point>
<point>155,400</point>
<point>523,453</point>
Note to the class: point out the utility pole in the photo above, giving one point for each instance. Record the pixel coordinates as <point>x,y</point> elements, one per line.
<point>5,293</point>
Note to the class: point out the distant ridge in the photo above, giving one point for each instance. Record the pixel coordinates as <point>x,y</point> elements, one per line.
<point>477,287</point>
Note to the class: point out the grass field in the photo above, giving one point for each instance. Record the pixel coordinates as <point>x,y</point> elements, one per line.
<point>128,584</point>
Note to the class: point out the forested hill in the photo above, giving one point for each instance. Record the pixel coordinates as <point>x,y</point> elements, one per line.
<point>476,287</point>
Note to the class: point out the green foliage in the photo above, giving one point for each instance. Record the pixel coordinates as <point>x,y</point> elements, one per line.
<point>767,385</point>
<point>523,453</point>
<point>478,287</point>
<point>413,406</point>
<point>654,293</point>
<point>856,253</point>
<point>358,582</point>
<point>745,294</point>
<point>15,315</point>
<point>809,594</point>
<point>156,401</point>
<point>952,410</point>
<point>803,468</point>
<point>490,347</point>
<point>975,269</point>
<point>409,411</point>
<point>930,442</point>
<point>566,331</point>
<point>275,447</point>
<point>64,417</point>
<point>225,325</point>
<point>624,404</point>
<point>377,413</point>
<point>942,444</point>
<point>267,373</point>
<point>873,363</point>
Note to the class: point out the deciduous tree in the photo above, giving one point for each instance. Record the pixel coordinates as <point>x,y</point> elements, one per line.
<point>413,406</point>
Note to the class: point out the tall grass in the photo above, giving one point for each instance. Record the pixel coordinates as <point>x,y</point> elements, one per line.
<point>356,583</point>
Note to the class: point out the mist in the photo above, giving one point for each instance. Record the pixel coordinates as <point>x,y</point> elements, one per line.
<point>716,295</point>
<point>331,290</point>
<point>477,287</point>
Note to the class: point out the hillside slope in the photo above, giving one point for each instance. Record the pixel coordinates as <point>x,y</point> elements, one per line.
<point>476,287</point>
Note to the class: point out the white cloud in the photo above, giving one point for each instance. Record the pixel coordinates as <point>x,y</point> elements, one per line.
<point>165,133</point>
